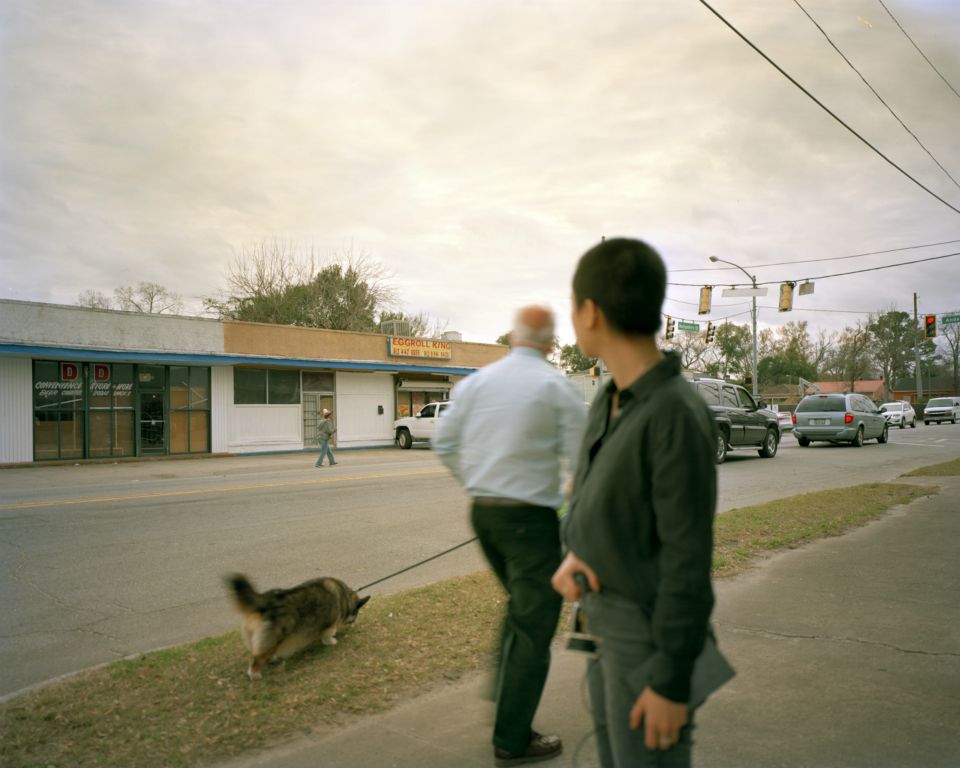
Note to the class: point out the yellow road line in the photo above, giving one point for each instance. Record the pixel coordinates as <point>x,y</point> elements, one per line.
<point>224,489</point>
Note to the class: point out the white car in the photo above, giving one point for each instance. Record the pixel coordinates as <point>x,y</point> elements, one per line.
<point>899,414</point>
<point>419,428</point>
<point>942,409</point>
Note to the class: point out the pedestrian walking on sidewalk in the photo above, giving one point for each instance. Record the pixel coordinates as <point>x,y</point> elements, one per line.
<point>511,427</point>
<point>640,525</point>
<point>325,432</point>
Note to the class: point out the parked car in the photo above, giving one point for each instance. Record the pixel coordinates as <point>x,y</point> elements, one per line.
<point>899,414</point>
<point>419,428</point>
<point>742,422</point>
<point>940,409</point>
<point>838,418</point>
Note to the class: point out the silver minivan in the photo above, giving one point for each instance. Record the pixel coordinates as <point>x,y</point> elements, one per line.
<point>838,418</point>
<point>940,409</point>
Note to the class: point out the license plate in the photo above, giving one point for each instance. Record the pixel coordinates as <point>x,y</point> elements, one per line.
<point>820,422</point>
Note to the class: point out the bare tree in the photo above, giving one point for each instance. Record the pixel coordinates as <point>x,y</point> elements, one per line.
<point>851,357</point>
<point>148,298</point>
<point>950,349</point>
<point>94,300</point>
<point>277,282</point>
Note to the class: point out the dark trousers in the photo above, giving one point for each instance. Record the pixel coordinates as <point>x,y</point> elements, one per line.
<point>522,545</point>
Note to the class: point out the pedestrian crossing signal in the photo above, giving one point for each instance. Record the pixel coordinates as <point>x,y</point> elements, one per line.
<point>929,326</point>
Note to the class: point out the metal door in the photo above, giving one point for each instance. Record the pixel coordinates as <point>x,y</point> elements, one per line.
<point>152,423</point>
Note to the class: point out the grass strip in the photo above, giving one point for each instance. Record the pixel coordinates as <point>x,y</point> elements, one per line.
<point>193,705</point>
<point>947,469</point>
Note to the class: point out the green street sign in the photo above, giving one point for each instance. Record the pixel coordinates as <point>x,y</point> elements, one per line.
<point>685,326</point>
<point>948,319</point>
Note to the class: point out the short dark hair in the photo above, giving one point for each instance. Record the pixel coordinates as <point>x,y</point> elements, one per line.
<point>627,280</point>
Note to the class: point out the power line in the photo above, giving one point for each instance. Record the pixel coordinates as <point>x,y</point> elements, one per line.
<point>874,91</point>
<point>837,274</point>
<point>918,49</point>
<point>811,261</point>
<point>870,269</point>
<point>823,106</point>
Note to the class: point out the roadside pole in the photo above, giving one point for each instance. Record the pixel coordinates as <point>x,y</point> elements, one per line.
<point>916,350</point>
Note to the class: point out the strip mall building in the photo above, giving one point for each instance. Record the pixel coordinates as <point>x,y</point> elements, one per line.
<point>80,383</point>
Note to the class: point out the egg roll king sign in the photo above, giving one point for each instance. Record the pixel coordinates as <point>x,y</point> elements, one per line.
<point>433,349</point>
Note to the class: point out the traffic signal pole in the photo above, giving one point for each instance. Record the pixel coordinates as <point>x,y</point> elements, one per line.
<point>916,349</point>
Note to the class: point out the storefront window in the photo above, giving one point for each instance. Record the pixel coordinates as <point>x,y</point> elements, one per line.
<point>58,415</point>
<point>110,403</point>
<point>190,409</point>
<point>261,386</point>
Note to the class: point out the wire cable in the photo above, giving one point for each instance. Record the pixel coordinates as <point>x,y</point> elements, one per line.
<point>824,107</point>
<point>811,261</point>
<point>824,277</point>
<point>874,91</point>
<point>918,49</point>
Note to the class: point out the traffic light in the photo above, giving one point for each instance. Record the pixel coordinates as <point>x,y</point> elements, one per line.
<point>670,329</point>
<point>711,331</point>
<point>786,296</point>
<point>929,326</point>
<point>706,293</point>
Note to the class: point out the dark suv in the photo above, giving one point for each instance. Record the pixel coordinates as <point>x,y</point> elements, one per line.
<point>742,422</point>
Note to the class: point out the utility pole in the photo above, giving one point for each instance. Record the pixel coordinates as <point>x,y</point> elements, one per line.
<point>916,350</point>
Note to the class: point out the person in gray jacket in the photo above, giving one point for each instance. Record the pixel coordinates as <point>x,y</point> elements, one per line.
<point>325,431</point>
<point>640,525</point>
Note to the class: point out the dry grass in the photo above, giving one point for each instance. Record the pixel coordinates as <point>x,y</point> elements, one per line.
<point>948,468</point>
<point>740,535</point>
<point>193,705</point>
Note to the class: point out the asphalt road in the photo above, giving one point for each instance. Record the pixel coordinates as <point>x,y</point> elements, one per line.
<point>100,562</point>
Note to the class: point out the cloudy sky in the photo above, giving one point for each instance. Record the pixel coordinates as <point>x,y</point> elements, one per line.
<point>476,149</point>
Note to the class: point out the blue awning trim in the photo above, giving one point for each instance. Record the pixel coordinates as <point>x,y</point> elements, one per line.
<point>172,358</point>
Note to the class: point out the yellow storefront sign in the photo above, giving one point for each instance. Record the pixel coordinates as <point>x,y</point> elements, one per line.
<point>398,346</point>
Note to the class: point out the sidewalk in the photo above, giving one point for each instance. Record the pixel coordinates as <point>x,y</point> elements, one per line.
<point>847,652</point>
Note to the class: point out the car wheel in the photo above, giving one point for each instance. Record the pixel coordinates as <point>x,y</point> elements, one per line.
<point>403,438</point>
<point>913,424</point>
<point>926,423</point>
<point>902,425</point>
<point>721,453</point>
<point>883,435</point>
<point>857,442</point>
<point>803,441</point>
<point>770,443</point>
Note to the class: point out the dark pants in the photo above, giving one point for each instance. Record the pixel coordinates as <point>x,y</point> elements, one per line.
<point>522,545</point>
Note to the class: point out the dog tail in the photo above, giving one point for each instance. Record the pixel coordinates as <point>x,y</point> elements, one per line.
<point>247,598</point>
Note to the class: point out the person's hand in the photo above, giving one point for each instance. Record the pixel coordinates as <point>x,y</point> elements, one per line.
<point>662,719</point>
<point>563,581</point>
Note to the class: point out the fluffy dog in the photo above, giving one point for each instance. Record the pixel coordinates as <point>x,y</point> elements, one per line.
<point>281,622</point>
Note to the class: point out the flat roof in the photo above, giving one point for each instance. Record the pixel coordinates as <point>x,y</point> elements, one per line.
<point>96,355</point>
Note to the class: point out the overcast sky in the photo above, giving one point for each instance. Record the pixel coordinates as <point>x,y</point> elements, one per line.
<point>476,149</point>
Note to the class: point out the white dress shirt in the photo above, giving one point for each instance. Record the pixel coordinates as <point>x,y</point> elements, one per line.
<point>508,428</point>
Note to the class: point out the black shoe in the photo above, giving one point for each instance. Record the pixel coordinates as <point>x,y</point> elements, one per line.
<point>542,747</point>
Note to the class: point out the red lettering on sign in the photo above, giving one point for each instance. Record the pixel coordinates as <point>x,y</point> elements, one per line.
<point>68,372</point>
<point>101,372</point>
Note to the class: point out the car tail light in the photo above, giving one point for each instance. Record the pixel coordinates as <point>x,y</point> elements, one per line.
<point>794,417</point>
<point>848,418</point>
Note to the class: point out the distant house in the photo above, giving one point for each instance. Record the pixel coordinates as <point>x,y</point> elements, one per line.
<point>872,388</point>
<point>906,389</point>
<point>791,394</point>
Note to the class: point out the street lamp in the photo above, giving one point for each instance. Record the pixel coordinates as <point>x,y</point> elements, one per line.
<point>753,281</point>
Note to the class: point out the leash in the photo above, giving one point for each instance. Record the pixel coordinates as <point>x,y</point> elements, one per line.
<point>417,565</point>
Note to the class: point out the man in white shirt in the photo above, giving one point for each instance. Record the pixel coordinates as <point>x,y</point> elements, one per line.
<point>504,438</point>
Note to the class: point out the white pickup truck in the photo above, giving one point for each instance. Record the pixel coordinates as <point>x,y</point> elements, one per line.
<point>419,428</point>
